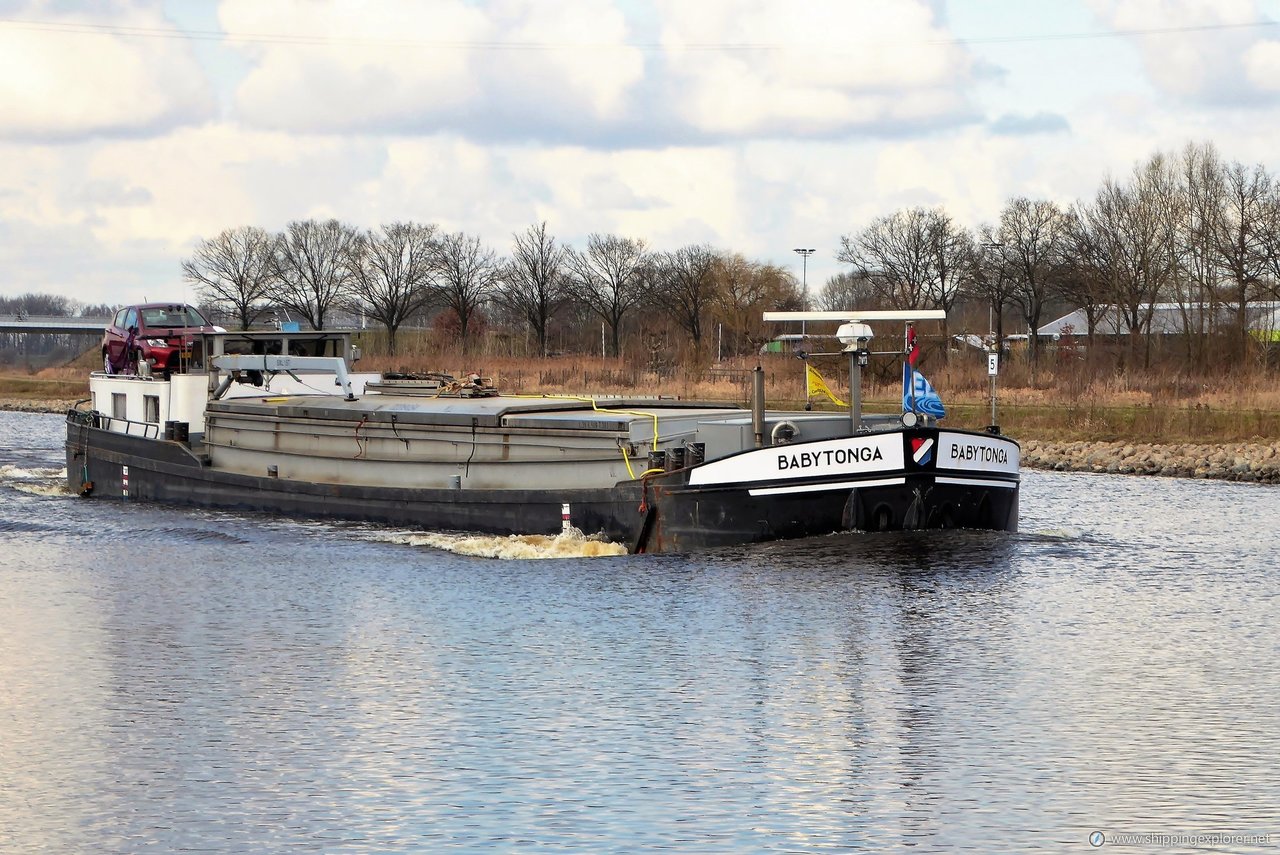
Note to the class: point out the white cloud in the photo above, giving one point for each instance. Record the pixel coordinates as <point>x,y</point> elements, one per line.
<point>438,65</point>
<point>144,202</point>
<point>1215,59</point>
<point>651,125</point>
<point>826,67</point>
<point>493,191</point>
<point>1262,64</point>
<point>150,199</point>
<point>348,68</point>
<point>591,65</point>
<point>67,77</point>
<point>582,72</point>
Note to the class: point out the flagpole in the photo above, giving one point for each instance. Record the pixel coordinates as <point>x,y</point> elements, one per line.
<point>911,364</point>
<point>808,400</point>
<point>855,390</point>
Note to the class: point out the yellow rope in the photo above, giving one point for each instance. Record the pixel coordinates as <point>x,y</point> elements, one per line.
<point>626,458</point>
<point>599,409</point>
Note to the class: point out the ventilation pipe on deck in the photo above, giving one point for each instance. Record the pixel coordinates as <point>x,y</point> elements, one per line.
<point>855,393</point>
<point>757,405</point>
<point>855,335</point>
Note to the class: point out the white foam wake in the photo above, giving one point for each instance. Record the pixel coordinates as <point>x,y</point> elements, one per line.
<point>44,482</point>
<point>19,473</point>
<point>571,543</point>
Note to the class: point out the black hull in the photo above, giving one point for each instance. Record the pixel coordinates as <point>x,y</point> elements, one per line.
<point>661,514</point>
<point>698,519</point>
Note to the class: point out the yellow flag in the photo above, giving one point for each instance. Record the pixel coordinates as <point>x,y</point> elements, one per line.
<point>817,386</point>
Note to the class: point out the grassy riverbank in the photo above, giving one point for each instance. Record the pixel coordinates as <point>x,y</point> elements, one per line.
<point>40,396</point>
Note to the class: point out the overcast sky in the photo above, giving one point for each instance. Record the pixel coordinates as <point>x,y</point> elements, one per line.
<point>130,130</point>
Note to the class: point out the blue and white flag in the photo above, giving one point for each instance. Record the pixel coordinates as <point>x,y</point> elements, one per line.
<point>925,400</point>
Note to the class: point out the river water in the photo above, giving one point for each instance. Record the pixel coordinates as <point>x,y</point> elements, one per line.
<point>175,680</point>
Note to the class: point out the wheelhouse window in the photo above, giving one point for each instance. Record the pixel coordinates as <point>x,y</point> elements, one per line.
<point>151,408</point>
<point>119,406</point>
<point>172,316</point>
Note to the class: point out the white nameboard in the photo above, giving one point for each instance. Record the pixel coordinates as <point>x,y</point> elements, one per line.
<point>847,456</point>
<point>977,453</point>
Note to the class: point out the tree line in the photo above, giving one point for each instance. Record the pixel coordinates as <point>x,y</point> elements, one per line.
<point>405,271</point>
<point>1185,228</point>
<point>35,305</point>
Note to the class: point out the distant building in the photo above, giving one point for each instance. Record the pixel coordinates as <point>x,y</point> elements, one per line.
<point>1168,319</point>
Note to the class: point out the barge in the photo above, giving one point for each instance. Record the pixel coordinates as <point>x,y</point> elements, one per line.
<point>276,423</point>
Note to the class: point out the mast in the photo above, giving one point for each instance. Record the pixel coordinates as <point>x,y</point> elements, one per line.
<point>854,334</point>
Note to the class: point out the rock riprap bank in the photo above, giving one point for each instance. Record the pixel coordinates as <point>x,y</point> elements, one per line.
<point>1241,461</point>
<point>37,405</point>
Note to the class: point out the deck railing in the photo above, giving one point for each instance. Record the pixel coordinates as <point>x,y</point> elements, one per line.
<point>93,418</point>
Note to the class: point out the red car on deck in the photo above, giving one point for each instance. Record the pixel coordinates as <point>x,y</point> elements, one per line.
<point>157,335</point>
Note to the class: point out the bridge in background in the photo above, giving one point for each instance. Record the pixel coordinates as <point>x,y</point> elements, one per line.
<point>35,324</point>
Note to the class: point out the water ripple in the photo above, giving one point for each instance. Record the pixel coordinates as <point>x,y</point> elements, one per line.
<point>218,682</point>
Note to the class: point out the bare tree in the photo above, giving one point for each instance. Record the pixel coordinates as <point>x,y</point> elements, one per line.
<point>687,286</point>
<point>610,277</point>
<point>856,290</point>
<point>36,305</point>
<point>1134,248</point>
<point>392,276</point>
<point>1085,278</point>
<point>97,310</point>
<point>954,251</point>
<point>1271,235</point>
<point>897,251</point>
<point>1240,237</point>
<point>745,291</point>
<point>467,273</point>
<point>233,272</point>
<point>1031,234</point>
<point>533,282</point>
<point>1194,284</point>
<point>992,278</point>
<point>313,264</point>
<point>919,257</point>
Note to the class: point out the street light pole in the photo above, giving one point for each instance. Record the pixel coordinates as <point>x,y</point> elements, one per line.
<point>804,282</point>
<point>993,355</point>
<point>991,329</point>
